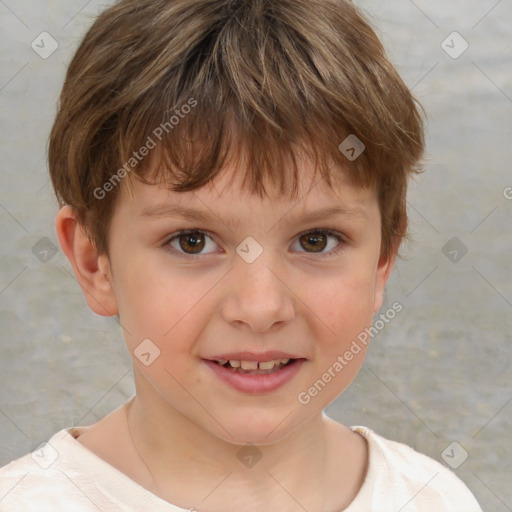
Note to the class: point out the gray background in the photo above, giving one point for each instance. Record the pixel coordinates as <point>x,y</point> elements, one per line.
<point>438,373</point>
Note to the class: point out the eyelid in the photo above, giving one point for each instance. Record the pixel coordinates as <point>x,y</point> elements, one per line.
<point>183,232</point>
<point>342,241</point>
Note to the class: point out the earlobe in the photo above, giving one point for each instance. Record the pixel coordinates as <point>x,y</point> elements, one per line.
<point>92,271</point>
<point>384,268</point>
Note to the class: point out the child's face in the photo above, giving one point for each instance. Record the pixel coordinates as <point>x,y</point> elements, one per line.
<point>216,301</point>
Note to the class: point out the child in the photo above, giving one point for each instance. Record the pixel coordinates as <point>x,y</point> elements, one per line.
<point>232,176</point>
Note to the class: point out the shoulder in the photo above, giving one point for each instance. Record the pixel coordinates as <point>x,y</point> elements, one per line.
<point>39,463</point>
<point>398,472</point>
<point>42,480</point>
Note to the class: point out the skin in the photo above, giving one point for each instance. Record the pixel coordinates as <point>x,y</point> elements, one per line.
<point>179,436</point>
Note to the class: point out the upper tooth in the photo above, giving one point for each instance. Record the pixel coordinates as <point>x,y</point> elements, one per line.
<point>267,365</point>
<point>254,365</point>
<point>249,365</point>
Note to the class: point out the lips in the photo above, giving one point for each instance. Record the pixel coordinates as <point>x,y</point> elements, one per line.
<point>255,363</point>
<point>254,373</point>
<point>254,366</point>
<point>269,355</point>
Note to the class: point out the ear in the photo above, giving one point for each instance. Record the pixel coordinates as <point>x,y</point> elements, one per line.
<point>384,268</point>
<point>92,271</point>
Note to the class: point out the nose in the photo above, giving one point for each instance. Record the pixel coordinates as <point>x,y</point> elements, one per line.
<point>258,297</point>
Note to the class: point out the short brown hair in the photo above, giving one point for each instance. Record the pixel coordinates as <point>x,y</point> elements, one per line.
<point>265,76</point>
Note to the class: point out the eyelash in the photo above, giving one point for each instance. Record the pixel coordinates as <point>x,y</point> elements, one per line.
<point>326,231</point>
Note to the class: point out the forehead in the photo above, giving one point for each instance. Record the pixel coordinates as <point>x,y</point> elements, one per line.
<point>227,193</point>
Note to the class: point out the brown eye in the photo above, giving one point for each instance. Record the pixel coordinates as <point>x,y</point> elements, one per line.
<point>314,242</point>
<point>200,243</point>
<point>192,243</point>
<point>323,243</point>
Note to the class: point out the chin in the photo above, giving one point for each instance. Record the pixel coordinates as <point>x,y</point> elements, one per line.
<point>257,429</point>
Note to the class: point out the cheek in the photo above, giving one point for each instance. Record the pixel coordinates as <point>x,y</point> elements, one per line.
<point>345,308</point>
<point>164,305</point>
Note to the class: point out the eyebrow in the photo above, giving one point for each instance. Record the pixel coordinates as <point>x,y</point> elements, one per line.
<point>194,215</point>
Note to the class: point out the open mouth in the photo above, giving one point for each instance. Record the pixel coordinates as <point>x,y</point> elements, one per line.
<point>255,367</point>
<point>256,377</point>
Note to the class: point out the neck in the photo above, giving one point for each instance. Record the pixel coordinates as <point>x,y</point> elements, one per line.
<point>189,467</point>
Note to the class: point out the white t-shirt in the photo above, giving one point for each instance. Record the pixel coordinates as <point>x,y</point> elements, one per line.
<point>64,476</point>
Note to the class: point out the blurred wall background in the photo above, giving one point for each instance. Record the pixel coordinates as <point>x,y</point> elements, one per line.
<point>437,377</point>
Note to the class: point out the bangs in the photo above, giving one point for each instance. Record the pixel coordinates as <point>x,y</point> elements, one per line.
<point>168,92</point>
<point>194,152</point>
<point>261,104</point>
